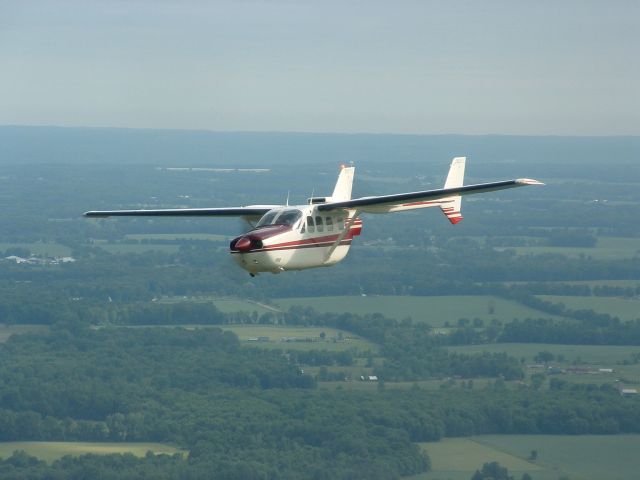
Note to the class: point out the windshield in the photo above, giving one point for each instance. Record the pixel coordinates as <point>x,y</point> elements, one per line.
<point>280,217</point>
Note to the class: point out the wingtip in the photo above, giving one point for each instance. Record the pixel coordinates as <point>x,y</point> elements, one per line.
<point>93,214</point>
<point>528,181</point>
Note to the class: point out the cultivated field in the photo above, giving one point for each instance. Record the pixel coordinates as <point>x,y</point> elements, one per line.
<point>225,305</point>
<point>303,338</point>
<point>623,308</point>
<point>39,248</point>
<point>434,310</point>
<point>50,451</point>
<point>588,457</point>
<point>121,248</point>
<point>591,354</point>
<point>7,330</point>
<point>178,236</point>
<point>607,248</point>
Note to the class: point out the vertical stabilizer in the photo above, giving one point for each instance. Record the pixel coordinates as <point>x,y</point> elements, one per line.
<point>456,173</point>
<point>342,190</point>
<point>455,179</point>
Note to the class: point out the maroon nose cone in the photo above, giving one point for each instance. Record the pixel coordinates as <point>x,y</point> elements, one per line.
<point>243,244</point>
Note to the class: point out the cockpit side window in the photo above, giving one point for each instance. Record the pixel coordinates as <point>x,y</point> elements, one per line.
<point>267,219</point>
<point>319,224</point>
<point>280,217</point>
<point>311,227</point>
<point>329,222</point>
<point>288,217</point>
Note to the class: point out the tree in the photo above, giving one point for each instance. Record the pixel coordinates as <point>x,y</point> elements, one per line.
<point>544,357</point>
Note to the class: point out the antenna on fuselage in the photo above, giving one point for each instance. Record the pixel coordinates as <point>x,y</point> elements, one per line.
<point>288,191</point>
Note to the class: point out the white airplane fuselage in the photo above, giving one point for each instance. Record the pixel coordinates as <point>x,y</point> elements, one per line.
<point>295,238</point>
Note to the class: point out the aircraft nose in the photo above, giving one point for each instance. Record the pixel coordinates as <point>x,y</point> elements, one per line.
<point>243,244</point>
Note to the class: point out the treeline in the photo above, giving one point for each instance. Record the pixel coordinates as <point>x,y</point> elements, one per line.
<point>199,269</point>
<point>571,333</point>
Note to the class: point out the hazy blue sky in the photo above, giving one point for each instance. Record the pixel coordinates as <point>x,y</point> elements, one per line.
<point>511,67</point>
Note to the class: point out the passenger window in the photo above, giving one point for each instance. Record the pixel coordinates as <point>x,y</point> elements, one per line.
<point>310,225</point>
<point>319,224</point>
<point>329,222</point>
<point>340,223</point>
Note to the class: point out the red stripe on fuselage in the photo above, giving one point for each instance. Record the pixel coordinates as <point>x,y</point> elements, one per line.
<point>298,246</point>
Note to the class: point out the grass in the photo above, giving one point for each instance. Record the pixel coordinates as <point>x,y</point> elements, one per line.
<point>50,451</point>
<point>39,248</point>
<point>212,237</point>
<point>609,283</point>
<point>7,330</point>
<point>275,334</point>
<point>121,248</point>
<point>588,457</point>
<point>623,308</point>
<point>607,248</point>
<point>460,457</point>
<point>606,355</point>
<point>225,305</point>
<point>434,310</point>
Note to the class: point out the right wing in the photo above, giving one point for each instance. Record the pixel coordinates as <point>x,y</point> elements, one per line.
<point>252,211</point>
<point>427,198</point>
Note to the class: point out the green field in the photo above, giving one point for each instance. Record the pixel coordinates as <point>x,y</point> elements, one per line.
<point>623,308</point>
<point>609,283</point>
<point>39,248</point>
<point>7,330</point>
<point>50,451</point>
<point>306,338</point>
<point>605,355</point>
<point>607,248</point>
<point>121,248</point>
<point>225,305</point>
<point>179,236</point>
<point>434,310</point>
<point>588,457</point>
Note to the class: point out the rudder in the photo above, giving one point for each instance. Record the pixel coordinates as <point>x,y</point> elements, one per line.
<point>342,190</point>
<point>452,205</point>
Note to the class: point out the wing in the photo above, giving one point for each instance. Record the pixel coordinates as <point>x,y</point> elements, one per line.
<point>427,198</point>
<point>251,211</point>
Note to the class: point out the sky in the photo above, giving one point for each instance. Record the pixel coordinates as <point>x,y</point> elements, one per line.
<point>543,67</point>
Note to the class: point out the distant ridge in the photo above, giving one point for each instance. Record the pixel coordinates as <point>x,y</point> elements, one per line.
<point>71,145</point>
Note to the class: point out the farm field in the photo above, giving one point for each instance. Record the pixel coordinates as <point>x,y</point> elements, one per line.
<point>607,355</point>
<point>434,310</point>
<point>50,451</point>
<point>40,248</point>
<point>275,334</point>
<point>588,457</point>
<point>122,248</point>
<point>178,236</point>
<point>623,308</point>
<point>607,248</point>
<point>609,283</point>
<point>7,330</point>
<point>225,305</point>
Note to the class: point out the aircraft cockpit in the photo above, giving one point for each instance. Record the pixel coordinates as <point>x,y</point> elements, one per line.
<point>289,216</point>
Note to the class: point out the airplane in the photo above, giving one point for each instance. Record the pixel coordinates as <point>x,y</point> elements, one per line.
<point>320,233</point>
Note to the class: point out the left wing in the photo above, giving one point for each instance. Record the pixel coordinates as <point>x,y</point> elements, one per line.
<point>251,211</point>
